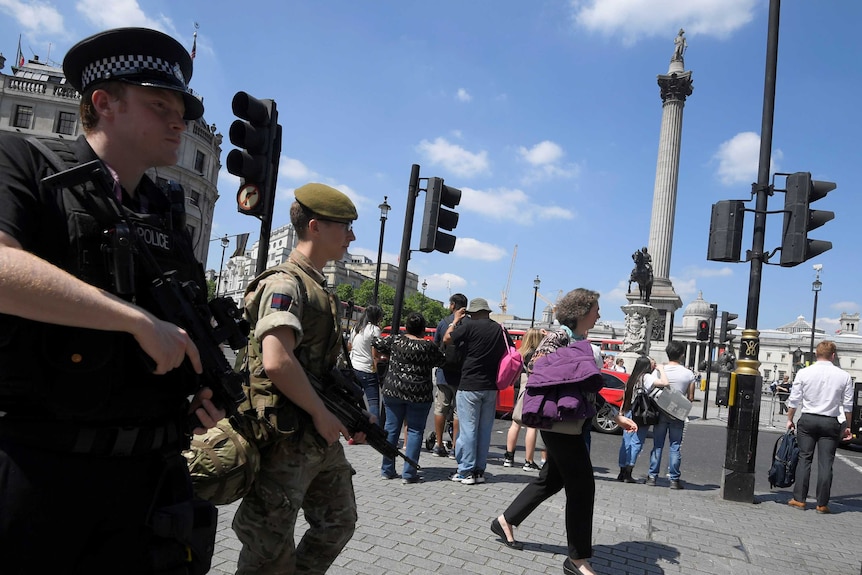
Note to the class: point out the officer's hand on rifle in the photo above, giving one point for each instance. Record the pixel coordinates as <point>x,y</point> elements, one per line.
<point>166,344</point>
<point>205,410</point>
<point>328,426</point>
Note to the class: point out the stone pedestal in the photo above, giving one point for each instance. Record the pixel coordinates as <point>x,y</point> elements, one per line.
<point>665,302</point>
<point>640,322</point>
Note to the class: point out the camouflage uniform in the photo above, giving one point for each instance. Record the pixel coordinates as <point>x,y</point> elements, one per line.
<point>299,471</point>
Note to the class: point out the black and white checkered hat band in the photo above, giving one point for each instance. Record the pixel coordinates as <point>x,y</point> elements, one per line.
<point>107,68</point>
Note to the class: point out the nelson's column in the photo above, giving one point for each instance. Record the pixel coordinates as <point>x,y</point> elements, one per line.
<point>674,88</point>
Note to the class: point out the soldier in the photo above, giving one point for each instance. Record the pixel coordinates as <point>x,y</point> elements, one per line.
<point>93,412</point>
<point>295,330</point>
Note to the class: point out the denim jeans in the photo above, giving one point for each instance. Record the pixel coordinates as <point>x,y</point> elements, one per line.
<point>633,442</point>
<point>397,412</point>
<point>371,387</point>
<point>667,427</point>
<point>476,420</point>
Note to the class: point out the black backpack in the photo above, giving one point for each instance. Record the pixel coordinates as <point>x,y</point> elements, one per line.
<point>785,456</point>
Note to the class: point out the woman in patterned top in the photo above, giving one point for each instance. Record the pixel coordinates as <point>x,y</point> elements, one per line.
<point>408,390</point>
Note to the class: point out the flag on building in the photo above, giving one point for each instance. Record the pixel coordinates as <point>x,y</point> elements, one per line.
<point>20,58</point>
<point>195,45</point>
<point>241,241</point>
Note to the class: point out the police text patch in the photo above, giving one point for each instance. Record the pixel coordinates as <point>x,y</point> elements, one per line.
<point>280,301</point>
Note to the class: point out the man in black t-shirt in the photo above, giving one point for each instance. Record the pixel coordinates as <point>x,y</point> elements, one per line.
<point>484,342</point>
<point>446,379</point>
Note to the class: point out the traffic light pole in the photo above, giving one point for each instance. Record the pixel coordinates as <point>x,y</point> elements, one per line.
<point>737,481</point>
<point>710,348</point>
<point>404,259</point>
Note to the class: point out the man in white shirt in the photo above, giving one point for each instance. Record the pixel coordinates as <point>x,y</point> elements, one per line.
<point>680,378</point>
<point>820,392</point>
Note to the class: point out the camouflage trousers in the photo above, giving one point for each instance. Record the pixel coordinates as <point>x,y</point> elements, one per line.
<point>296,475</point>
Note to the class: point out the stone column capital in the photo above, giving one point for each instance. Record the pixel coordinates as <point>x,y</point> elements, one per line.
<point>675,86</point>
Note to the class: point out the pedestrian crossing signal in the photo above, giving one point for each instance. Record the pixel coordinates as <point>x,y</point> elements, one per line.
<point>703,330</point>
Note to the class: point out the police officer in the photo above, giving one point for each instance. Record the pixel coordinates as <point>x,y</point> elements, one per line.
<point>93,410</point>
<point>295,331</point>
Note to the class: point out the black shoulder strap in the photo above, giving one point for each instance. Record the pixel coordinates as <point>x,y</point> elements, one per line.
<point>58,163</point>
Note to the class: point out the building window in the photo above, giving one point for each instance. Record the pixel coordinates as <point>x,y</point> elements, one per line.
<point>23,116</point>
<point>199,161</point>
<point>66,123</point>
<point>194,198</point>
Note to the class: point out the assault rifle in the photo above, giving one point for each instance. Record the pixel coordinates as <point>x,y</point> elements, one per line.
<point>180,302</point>
<point>344,399</point>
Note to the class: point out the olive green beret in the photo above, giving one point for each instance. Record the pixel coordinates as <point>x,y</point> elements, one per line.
<point>326,201</point>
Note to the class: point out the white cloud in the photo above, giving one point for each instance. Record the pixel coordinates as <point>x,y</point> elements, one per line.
<point>543,153</point>
<point>845,306</point>
<point>453,157</point>
<point>463,95</point>
<point>450,283</point>
<point>294,169</point>
<point>121,13</point>
<point>738,159</point>
<point>35,18</point>
<point>544,158</point>
<point>472,248</point>
<point>712,273</point>
<point>510,204</point>
<point>828,325</point>
<point>685,288</point>
<point>635,19</point>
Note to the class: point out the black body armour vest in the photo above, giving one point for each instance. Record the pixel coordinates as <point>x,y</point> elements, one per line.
<point>77,375</point>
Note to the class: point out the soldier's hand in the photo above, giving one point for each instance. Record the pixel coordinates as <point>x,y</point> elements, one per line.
<point>329,426</point>
<point>167,345</point>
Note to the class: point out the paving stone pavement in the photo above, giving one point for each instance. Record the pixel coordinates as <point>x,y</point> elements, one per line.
<point>439,526</point>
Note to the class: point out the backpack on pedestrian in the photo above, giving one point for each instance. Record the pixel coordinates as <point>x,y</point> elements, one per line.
<point>785,456</point>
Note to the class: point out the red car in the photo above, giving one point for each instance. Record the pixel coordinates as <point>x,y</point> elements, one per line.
<point>612,392</point>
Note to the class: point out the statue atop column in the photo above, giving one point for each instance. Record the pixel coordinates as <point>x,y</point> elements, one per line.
<point>642,273</point>
<point>679,46</point>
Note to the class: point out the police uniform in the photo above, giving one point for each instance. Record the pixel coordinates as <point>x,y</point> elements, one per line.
<point>299,471</point>
<point>90,438</point>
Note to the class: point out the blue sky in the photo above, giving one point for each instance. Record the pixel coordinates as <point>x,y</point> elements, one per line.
<point>546,114</point>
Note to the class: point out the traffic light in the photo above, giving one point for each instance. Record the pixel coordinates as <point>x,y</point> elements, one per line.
<point>435,216</point>
<point>725,231</point>
<point>726,332</point>
<point>258,133</point>
<point>799,219</point>
<point>703,330</point>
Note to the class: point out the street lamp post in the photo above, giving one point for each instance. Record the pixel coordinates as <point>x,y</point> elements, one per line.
<point>536,283</point>
<point>384,213</point>
<point>424,287</point>
<point>224,244</point>
<point>815,287</point>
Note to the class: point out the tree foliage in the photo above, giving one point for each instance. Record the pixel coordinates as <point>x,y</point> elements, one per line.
<point>364,295</point>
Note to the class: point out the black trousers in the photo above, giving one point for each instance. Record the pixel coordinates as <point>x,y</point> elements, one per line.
<point>76,514</point>
<point>823,433</point>
<point>568,467</point>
